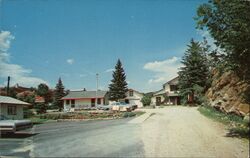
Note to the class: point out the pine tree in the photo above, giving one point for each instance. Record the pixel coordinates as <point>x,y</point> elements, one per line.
<point>194,76</point>
<point>118,86</point>
<point>59,93</point>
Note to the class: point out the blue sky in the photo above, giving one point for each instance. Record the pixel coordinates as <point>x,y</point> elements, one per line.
<point>42,40</point>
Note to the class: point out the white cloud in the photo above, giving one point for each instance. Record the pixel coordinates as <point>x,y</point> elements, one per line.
<point>70,61</point>
<point>164,70</point>
<point>17,73</point>
<point>109,70</point>
<point>5,39</point>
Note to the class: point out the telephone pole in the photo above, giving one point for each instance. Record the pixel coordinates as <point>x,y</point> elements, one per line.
<point>8,86</point>
<point>97,75</point>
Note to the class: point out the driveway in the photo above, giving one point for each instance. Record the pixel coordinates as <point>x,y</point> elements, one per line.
<point>171,132</point>
<point>184,132</point>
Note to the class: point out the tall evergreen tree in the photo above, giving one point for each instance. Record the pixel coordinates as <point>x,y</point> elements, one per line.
<point>118,86</point>
<point>59,93</point>
<point>194,76</point>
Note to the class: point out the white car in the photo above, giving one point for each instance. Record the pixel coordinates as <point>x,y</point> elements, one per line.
<point>11,126</point>
<point>121,106</point>
<point>104,107</point>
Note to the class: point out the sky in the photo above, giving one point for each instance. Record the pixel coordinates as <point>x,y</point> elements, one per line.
<point>42,40</point>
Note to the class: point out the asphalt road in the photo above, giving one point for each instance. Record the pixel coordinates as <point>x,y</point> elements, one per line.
<point>106,138</point>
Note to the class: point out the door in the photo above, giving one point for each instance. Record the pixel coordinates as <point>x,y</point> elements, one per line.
<point>93,102</point>
<point>158,101</point>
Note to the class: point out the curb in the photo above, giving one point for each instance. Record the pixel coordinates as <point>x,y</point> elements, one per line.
<point>141,119</point>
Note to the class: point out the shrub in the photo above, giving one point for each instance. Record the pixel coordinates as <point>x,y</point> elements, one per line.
<point>128,114</point>
<point>27,113</point>
<point>146,100</point>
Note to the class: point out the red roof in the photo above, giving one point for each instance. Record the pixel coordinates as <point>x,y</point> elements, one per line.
<point>39,99</point>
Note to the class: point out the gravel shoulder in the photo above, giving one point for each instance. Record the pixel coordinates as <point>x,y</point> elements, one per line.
<point>184,132</point>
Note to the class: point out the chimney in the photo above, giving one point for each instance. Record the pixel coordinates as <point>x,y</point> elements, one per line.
<point>8,86</point>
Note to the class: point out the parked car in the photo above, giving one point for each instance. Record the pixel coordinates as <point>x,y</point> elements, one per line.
<point>121,106</point>
<point>104,107</point>
<point>11,126</point>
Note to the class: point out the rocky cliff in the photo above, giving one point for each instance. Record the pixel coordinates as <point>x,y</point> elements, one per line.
<point>226,93</point>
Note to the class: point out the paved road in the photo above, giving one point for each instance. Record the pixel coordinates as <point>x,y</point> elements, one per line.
<point>171,132</point>
<point>110,138</point>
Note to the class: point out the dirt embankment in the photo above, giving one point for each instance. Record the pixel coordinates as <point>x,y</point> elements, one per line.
<point>184,132</point>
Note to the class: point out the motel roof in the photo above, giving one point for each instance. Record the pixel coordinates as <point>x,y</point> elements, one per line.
<point>84,94</point>
<point>9,100</point>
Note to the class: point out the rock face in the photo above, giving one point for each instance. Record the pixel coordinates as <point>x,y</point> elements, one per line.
<point>226,93</point>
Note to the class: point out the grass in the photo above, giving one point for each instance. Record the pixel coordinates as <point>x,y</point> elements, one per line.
<point>37,120</point>
<point>237,126</point>
<point>139,113</point>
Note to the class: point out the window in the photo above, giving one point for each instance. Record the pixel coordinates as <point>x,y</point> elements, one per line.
<point>173,88</point>
<point>11,110</point>
<point>67,102</point>
<point>131,93</point>
<point>72,103</point>
<point>98,100</point>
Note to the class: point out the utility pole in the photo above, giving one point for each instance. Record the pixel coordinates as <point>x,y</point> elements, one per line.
<point>8,86</point>
<point>96,89</point>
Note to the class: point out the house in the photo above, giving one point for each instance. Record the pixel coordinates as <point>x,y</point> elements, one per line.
<point>12,108</point>
<point>81,99</point>
<point>169,94</point>
<point>134,97</point>
<point>39,99</point>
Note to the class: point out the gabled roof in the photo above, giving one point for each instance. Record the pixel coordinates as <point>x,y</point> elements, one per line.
<point>160,92</point>
<point>9,100</point>
<point>174,81</point>
<point>84,94</point>
<point>130,89</point>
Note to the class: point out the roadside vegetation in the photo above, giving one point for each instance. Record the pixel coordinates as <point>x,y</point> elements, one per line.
<point>85,115</point>
<point>237,126</point>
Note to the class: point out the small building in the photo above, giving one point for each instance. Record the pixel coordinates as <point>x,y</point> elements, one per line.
<point>134,97</point>
<point>39,99</point>
<point>168,95</point>
<point>12,108</point>
<point>83,98</point>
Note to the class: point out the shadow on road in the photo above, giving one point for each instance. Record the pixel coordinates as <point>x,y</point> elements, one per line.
<point>19,135</point>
